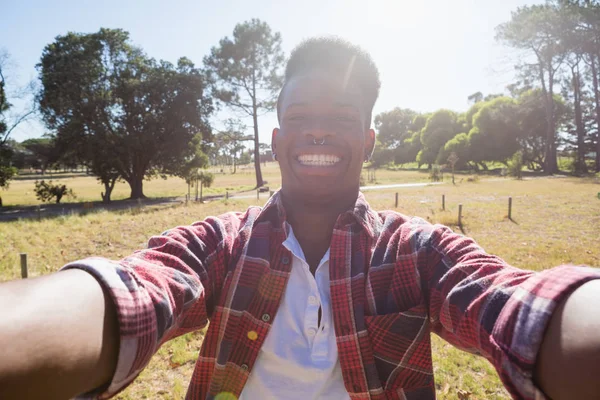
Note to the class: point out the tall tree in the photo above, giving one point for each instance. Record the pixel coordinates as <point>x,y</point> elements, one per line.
<point>246,71</point>
<point>10,121</point>
<point>126,115</point>
<point>231,140</point>
<point>537,29</point>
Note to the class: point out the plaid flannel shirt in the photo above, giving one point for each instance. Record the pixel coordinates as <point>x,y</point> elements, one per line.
<point>394,280</point>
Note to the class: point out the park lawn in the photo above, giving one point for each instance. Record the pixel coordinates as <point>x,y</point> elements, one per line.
<point>555,221</point>
<point>88,188</point>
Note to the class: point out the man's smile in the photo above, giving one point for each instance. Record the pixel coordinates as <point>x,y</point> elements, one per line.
<point>319,160</point>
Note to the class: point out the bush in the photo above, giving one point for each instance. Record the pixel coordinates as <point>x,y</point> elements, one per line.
<point>436,173</point>
<point>46,191</point>
<point>515,165</point>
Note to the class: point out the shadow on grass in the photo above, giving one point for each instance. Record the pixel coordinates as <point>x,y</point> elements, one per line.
<point>48,211</point>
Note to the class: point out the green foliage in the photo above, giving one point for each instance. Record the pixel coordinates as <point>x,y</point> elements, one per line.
<point>495,131</point>
<point>6,174</point>
<point>43,152</point>
<point>440,127</point>
<point>515,165</point>
<point>246,74</point>
<point>117,110</point>
<point>458,145</point>
<point>47,191</point>
<point>381,155</point>
<point>201,180</point>
<point>395,126</point>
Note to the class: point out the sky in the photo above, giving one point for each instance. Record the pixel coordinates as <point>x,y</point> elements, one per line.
<point>430,54</point>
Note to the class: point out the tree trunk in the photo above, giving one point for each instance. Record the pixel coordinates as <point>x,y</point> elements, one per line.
<point>196,189</point>
<point>550,161</point>
<point>137,188</point>
<point>108,188</point>
<point>259,179</point>
<point>580,166</point>
<point>201,190</point>
<point>597,106</point>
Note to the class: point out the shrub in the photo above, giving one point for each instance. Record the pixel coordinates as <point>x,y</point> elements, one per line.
<point>515,165</point>
<point>46,191</point>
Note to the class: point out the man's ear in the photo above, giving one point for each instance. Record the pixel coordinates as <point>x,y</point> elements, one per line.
<point>273,145</point>
<point>369,143</point>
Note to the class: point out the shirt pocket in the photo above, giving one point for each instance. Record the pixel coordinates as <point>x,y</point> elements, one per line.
<point>401,346</point>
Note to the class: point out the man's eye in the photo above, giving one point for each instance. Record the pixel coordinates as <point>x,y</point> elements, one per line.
<point>296,118</point>
<point>345,118</point>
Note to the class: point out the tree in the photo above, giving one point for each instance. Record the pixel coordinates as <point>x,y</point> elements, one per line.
<point>583,38</point>
<point>188,170</point>
<point>441,126</point>
<point>532,123</point>
<point>230,141</point>
<point>495,132</point>
<point>9,121</point>
<point>44,152</point>
<point>458,146</point>
<point>246,74</point>
<point>537,29</point>
<point>394,127</point>
<point>202,179</point>
<point>126,115</point>
<point>412,145</point>
<point>475,98</point>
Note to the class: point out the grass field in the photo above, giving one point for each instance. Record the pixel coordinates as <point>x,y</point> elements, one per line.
<point>555,221</point>
<point>88,189</point>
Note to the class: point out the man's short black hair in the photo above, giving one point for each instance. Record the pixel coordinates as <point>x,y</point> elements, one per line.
<point>340,57</point>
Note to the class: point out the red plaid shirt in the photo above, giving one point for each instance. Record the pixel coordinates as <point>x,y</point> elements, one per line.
<point>394,280</point>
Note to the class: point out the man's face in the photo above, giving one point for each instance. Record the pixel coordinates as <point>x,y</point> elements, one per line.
<point>314,109</point>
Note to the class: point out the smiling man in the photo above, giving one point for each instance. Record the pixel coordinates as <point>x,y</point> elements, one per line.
<point>315,295</point>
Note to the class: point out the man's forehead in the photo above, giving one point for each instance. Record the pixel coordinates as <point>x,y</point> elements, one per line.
<point>307,89</point>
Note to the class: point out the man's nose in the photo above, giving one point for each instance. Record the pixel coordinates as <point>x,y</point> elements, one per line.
<point>319,131</point>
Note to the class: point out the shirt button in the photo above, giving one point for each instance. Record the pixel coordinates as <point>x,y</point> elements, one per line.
<point>244,367</point>
<point>285,260</point>
<point>312,332</point>
<point>266,317</point>
<point>312,300</point>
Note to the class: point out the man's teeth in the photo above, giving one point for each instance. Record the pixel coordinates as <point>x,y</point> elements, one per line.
<point>318,159</point>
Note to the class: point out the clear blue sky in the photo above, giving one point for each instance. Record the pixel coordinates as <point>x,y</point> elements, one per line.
<point>431,54</point>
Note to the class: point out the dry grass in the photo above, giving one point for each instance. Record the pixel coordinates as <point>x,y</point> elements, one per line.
<point>556,221</point>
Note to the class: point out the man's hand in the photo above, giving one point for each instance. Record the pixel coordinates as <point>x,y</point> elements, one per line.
<point>569,360</point>
<point>58,336</point>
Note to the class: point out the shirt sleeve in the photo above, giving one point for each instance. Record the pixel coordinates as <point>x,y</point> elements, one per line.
<point>161,292</point>
<point>480,304</point>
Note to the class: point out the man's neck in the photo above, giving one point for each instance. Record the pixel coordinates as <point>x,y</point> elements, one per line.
<point>313,223</point>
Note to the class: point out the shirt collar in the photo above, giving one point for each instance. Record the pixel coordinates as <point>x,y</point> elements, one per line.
<point>274,211</point>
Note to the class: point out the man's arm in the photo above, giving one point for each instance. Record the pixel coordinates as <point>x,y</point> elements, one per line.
<point>569,359</point>
<point>58,336</point>
<point>481,304</point>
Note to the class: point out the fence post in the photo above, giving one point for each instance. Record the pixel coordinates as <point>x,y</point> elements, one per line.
<point>510,208</point>
<point>227,195</point>
<point>257,194</point>
<point>443,202</point>
<point>396,200</point>
<point>460,215</point>
<point>24,265</point>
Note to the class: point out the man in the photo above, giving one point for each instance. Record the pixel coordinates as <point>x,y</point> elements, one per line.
<point>313,296</point>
